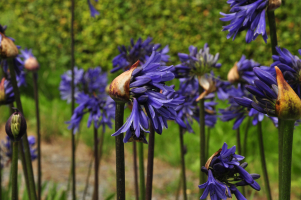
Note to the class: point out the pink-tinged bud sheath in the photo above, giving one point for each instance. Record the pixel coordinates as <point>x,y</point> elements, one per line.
<point>31,64</point>
<point>288,104</point>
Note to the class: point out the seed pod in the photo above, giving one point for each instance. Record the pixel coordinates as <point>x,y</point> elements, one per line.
<point>8,49</point>
<point>274,4</point>
<point>233,74</point>
<point>120,86</point>
<point>288,104</point>
<point>16,126</point>
<point>31,64</point>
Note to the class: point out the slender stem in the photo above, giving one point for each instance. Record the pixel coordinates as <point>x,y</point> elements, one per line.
<point>244,152</point>
<point>179,186</point>
<point>207,143</point>
<point>99,155</point>
<point>141,171</point>
<point>119,146</point>
<point>238,141</point>
<point>273,33</point>
<point>0,174</point>
<point>87,180</point>
<point>135,170</point>
<point>181,133</point>
<point>14,169</point>
<point>36,97</point>
<point>285,173</point>
<point>95,164</point>
<point>72,102</point>
<point>263,163</point>
<point>280,147</point>
<point>202,140</point>
<point>150,163</point>
<point>25,154</point>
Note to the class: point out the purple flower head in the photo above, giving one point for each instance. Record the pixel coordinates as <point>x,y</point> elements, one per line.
<point>141,50</point>
<point>8,147</point>
<point>93,11</point>
<point>147,90</point>
<point>246,15</point>
<point>225,173</point>
<point>242,72</point>
<point>7,95</point>
<point>65,84</point>
<point>290,65</point>
<point>196,63</point>
<point>29,62</point>
<point>19,70</point>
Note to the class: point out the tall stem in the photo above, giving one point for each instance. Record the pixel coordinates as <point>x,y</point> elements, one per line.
<point>95,164</point>
<point>238,141</point>
<point>280,149</point>
<point>87,180</point>
<point>72,102</point>
<point>141,171</point>
<point>273,33</point>
<point>14,169</point>
<point>36,97</point>
<point>263,163</point>
<point>119,146</point>
<point>150,163</point>
<point>207,143</point>
<point>244,152</point>
<point>25,154</point>
<point>202,140</point>
<point>135,170</point>
<point>287,149</point>
<point>181,133</point>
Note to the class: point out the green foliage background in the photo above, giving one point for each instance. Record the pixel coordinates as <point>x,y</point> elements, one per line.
<point>44,26</point>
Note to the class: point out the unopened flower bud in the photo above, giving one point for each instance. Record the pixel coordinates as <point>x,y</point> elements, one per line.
<point>208,84</point>
<point>274,4</point>
<point>120,86</point>
<point>233,74</point>
<point>288,104</point>
<point>31,64</point>
<point>8,49</point>
<point>16,126</point>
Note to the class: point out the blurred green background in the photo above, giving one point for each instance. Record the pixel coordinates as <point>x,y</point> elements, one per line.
<point>44,26</point>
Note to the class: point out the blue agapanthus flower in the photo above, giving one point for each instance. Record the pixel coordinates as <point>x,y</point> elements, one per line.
<point>8,147</point>
<point>7,95</point>
<point>225,173</point>
<point>290,65</point>
<point>148,91</point>
<point>246,15</point>
<point>93,11</point>
<point>90,96</point>
<point>65,84</point>
<point>141,50</point>
<point>242,72</point>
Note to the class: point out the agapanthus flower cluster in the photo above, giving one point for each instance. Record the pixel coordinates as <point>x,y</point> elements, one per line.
<point>290,65</point>
<point>141,50</point>
<point>246,15</point>
<point>242,71</point>
<point>7,144</point>
<point>225,174</point>
<point>272,96</point>
<point>145,87</point>
<point>93,11</point>
<point>91,96</point>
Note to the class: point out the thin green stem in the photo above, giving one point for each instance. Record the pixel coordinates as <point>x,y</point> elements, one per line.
<point>87,179</point>
<point>141,171</point>
<point>244,152</point>
<point>280,147</point>
<point>25,154</point>
<point>36,97</point>
<point>95,164</point>
<point>150,163</point>
<point>263,163</point>
<point>238,141</point>
<point>207,142</point>
<point>14,169</point>
<point>202,140</point>
<point>119,147</point>
<point>72,102</point>
<point>273,33</point>
<point>135,170</point>
<point>181,133</point>
<point>287,149</point>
